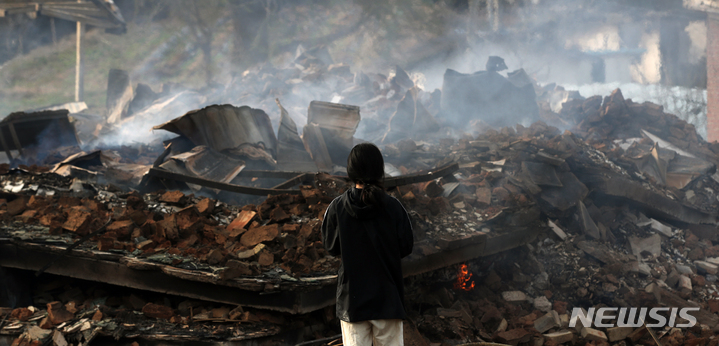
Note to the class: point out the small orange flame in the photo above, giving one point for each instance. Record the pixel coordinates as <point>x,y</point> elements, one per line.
<point>464,279</point>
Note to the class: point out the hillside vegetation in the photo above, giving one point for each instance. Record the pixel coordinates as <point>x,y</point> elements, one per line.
<point>165,48</point>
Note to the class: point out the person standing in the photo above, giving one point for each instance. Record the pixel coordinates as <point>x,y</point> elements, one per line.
<point>371,232</point>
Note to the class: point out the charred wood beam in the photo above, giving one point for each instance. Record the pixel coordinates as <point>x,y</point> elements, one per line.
<point>160,159</point>
<point>294,181</point>
<point>74,245</point>
<point>295,301</point>
<point>269,174</point>
<point>294,178</point>
<point>464,249</point>
<point>5,146</point>
<point>300,296</point>
<point>15,139</point>
<point>258,191</point>
<point>416,177</point>
<point>421,177</point>
<point>651,203</point>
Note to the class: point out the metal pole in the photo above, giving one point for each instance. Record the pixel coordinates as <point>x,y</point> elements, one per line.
<point>79,73</point>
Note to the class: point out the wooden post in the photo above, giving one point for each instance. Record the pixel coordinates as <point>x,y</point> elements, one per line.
<point>5,146</point>
<point>712,77</point>
<point>53,31</point>
<point>79,73</point>
<point>15,138</point>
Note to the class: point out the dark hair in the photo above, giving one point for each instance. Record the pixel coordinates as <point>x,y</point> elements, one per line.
<point>365,166</point>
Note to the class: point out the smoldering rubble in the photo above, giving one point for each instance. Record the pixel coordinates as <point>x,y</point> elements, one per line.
<point>518,218</point>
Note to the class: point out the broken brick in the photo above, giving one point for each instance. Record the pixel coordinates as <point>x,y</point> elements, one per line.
<point>514,336</point>
<point>173,197</point>
<point>157,311</point>
<point>235,269</point>
<point>278,215</point>
<point>298,209</point>
<point>265,258</point>
<point>78,220</point>
<point>136,202</point>
<point>58,314</point>
<point>615,334</point>
<point>501,194</point>
<point>290,228</point>
<point>237,226</point>
<point>433,189</point>
<point>259,234</point>
<point>17,206</point>
<point>28,216</point>
<point>97,316</point>
<point>104,244</point>
<point>37,202</point>
<point>145,245</point>
<point>560,307</point>
<point>21,314</point>
<point>187,242</point>
<point>560,337</point>
<point>205,206</point>
<point>122,229</point>
<point>215,257</point>
<point>311,196</point>
<point>591,334</point>
<point>484,197</point>
<point>167,228</point>
<point>308,230</point>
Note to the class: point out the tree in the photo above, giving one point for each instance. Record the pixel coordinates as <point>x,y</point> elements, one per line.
<point>250,26</point>
<point>203,18</point>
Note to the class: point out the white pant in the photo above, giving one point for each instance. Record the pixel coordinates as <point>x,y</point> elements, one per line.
<point>379,332</point>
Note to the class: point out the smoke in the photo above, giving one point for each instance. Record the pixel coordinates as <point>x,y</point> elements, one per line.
<point>697,31</point>
<point>137,129</point>
<point>648,70</point>
<point>566,42</point>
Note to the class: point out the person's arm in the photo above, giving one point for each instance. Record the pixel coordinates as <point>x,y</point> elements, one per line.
<point>406,237</point>
<point>330,232</point>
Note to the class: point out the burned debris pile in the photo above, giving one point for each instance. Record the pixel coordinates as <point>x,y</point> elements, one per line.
<point>628,219</point>
<point>95,314</point>
<point>514,226</point>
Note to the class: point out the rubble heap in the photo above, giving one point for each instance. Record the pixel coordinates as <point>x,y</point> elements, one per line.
<point>75,311</point>
<point>627,218</point>
<point>624,202</point>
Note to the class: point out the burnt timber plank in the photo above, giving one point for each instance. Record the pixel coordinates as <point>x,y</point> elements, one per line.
<point>479,245</point>
<point>416,177</point>
<point>421,177</point>
<point>292,182</point>
<point>258,191</point>
<point>294,178</point>
<point>269,174</point>
<point>312,295</point>
<point>5,146</point>
<point>15,139</point>
<point>651,203</point>
<point>14,256</point>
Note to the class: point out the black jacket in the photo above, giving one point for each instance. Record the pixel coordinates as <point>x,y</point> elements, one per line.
<point>371,240</point>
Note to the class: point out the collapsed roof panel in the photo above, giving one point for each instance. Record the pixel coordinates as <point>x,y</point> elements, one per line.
<point>205,163</point>
<point>291,153</point>
<point>119,95</point>
<point>336,124</point>
<point>100,13</point>
<point>223,127</point>
<point>43,130</point>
